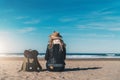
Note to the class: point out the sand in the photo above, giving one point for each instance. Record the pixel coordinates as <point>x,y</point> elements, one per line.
<point>79,69</point>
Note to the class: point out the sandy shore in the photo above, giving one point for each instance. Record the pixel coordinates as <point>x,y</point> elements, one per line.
<point>83,69</point>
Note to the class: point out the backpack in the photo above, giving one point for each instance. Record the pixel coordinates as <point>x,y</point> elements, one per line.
<point>31,62</point>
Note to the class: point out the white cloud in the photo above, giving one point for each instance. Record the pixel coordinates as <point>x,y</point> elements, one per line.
<point>98,35</point>
<point>114,29</point>
<point>32,22</point>
<point>67,19</point>
<point>103,19</point>
<point>89,35</point>
<point>4,32</point>
<point>21,17</point>
<point>99,14</point>
<point>91,26</point>
<point>109,26</point>
<point>112,18</point>
<point>103,11</point>
<point>27,29</point>
<point>8,10</point>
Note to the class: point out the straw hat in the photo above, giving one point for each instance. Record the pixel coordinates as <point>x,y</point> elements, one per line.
<point>55,35</point>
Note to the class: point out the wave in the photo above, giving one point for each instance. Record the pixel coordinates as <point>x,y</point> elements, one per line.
<point>70,55</point>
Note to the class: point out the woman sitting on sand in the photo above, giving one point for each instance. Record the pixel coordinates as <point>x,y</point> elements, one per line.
<point>55,53</point>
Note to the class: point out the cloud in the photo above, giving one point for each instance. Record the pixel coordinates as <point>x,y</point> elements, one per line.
<point>94,35</point>
<point>90,27</point>
<point>8,10</point>
<point>104,11</point>
<point>4,32</point>
<point>21,17</point>
<point>103,19</point>
<point>99,14</point>
<point>67,19</point>
<point>100,25</point>
<point>112,18</point>
<point>32,22</point>
<point>114,29</point>
<point>27,30</point>
<point>95,26</point>
<point>91,35</point>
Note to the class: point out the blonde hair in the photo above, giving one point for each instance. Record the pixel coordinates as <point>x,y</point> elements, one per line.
<point>62,44</point>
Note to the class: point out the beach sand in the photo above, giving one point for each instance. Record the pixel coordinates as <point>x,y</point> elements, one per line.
<point>79,69</point>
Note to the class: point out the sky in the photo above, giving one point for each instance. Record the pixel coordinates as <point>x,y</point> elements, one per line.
<point>86,25</point>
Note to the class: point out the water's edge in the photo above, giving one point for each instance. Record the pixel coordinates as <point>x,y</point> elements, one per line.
<point>69,55</point>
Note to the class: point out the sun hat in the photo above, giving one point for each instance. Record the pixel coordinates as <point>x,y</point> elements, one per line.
<point>55,35</point>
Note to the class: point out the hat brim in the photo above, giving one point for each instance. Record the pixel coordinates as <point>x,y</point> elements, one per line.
<point>54,37</point>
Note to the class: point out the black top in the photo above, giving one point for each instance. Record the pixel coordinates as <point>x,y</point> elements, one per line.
<point>57,53</point>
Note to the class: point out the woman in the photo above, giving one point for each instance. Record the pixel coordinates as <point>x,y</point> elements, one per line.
<point>55,53</point>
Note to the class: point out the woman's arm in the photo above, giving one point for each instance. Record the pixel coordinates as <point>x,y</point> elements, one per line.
<point>64,51</point>
<point>47,53</point>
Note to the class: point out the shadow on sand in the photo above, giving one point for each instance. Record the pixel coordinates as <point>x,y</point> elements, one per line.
<point>78,69</point>
<point>73,69</point>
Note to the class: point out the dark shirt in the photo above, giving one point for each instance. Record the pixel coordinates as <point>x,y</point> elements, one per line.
<point>57,53</point>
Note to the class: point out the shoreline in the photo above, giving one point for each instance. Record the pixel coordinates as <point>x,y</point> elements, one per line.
<point>73,59</point>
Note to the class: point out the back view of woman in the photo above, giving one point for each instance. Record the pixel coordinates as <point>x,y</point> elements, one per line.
<point>55,53</point>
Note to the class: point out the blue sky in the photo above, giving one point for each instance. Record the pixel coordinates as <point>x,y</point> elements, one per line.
<point>86,25</point>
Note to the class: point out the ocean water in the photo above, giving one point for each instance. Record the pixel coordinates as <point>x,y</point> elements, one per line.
<point>69,55</point>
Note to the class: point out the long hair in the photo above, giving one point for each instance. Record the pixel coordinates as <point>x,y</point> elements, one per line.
<point>62,44</point>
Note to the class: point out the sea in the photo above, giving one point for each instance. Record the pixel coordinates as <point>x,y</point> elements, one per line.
<point>69,55</point>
